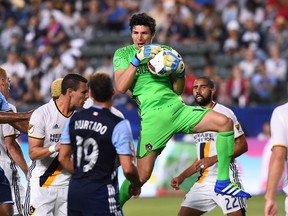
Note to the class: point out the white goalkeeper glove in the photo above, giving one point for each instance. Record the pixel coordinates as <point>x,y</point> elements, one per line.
<point>147,51</point>
<point>175,64</point>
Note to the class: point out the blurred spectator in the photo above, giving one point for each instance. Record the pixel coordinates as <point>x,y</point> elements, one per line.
<point>230,12</point>
<point>18,89</point>
<point>231,44</point>
<point>107,66</point>
<point>82,33</point>
<point>83,67</point>
<point>265,132</point>
<point>158,13</point>
<point>275,65</point>
<point>210,22</point>
<point>114,17</point>
<point>33,95</point>
<point>16,44</point>
<point>263,86</point>
<point>94,15</point>
<point>47,10</point>
<point>68,17</point>
<point>252,10</point>
<point>54,34</point>
<point>223,95</point>
<point>11,28</point>
<point>33,68</point>
<point>169,33</point>
<point>249,64</point>
<point>278,34</point>
<point>277,8</point>
<point>253,38</point>
<point>236,87</point>
<point>190,32</point>
<point>68,55</point>
<point>32,32</point>
<point>14,65</point>
<point>189,83</point>
<point>56,70</point>
<point>210,70</point>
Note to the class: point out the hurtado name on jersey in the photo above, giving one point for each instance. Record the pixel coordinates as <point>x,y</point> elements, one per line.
<point>204,137</point>
<point>90,125</point>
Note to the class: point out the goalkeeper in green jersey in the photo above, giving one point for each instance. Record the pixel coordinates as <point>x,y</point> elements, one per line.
<point>161,110</point>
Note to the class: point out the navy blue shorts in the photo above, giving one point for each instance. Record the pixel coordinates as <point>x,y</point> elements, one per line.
<point>93,200</point>
<point>5,189</point>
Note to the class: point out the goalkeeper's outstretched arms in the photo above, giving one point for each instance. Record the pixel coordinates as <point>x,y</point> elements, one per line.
<point>124,77</point>
<point>178,72</point>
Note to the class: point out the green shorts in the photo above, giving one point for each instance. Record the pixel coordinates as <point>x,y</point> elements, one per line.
<point>158,126</point>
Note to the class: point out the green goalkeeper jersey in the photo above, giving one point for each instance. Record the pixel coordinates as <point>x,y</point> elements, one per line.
<point>148,90</point>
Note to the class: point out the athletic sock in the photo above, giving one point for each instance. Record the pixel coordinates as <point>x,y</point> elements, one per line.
<point>124,195</point>
<point>225,150</point>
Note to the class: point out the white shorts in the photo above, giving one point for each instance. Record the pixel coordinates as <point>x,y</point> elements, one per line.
<point>203,198</point>
<point>48,201</point>
<point>17,189</point>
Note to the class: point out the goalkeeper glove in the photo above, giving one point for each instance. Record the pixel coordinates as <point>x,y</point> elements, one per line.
<point>175,64</point>
<point>147,51</point>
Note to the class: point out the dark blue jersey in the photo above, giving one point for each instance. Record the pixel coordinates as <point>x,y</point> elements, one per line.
<point>97,136</point>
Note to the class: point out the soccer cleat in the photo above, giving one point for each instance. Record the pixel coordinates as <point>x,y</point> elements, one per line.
<point>226,187</point>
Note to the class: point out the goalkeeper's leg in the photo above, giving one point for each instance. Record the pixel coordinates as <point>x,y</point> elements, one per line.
<point>225,150</point>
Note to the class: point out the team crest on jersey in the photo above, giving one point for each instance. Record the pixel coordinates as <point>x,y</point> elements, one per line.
<point>31,210</point>
<point>238,128</point>
<point>30,128</point>
<point>116,62</point>
<point>148,147</point>
<point>95,113</point>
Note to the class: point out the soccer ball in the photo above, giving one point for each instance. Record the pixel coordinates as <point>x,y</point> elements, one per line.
<point>156,64</point>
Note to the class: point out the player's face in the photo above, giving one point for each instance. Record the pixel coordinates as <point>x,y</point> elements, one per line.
<point>202,92</point>
<point>141,35</point>
<point>78,97</point>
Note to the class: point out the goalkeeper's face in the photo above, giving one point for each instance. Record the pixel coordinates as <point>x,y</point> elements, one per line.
<point>141,36</point>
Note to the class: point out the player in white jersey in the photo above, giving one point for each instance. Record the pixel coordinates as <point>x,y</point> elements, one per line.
<point>201,198</point>
<point>278,160</point>
<point>12,157</point>
<point>48,181</point>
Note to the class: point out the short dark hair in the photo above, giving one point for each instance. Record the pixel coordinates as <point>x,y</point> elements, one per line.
<point>143,19</point>
<point>101,86</point>
<point>209,81</point>
<point>72,81</point>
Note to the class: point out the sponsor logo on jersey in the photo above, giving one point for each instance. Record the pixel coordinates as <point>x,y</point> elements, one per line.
<point>148,147</point>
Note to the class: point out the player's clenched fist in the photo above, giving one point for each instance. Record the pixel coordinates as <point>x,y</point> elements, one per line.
<point>175,64</point>
<point>147,51</point>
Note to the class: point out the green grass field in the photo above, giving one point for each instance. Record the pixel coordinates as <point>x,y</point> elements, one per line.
<point>169,206</point>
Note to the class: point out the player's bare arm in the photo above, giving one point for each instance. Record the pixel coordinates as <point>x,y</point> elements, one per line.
<point>175,182</point>
<point>16,153</point>
<point>178,85</point>
<point>36,149</point>
<point>124,78</point>
<point>276,168</point>
<point>65,158</point>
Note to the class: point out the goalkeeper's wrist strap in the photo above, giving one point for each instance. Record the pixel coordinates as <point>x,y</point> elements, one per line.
<point>52,148</point>
<point>135,61</point>
<point>181,75</point>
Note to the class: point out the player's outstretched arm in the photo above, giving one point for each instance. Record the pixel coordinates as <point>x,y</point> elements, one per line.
<point>176,182</point>
<point>131,173</point>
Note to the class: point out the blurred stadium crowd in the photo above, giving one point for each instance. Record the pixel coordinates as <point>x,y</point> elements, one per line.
<point>242,45</point>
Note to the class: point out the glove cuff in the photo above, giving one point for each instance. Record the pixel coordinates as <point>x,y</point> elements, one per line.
<point>135,61</point>
<point>181,75</point>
